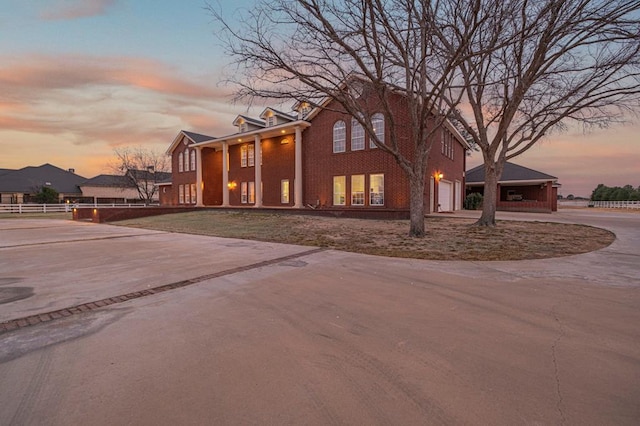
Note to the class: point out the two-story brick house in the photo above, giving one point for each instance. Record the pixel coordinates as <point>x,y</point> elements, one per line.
<point>317,158</point>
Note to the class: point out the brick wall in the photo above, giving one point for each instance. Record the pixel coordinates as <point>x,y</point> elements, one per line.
<point>320,164</point>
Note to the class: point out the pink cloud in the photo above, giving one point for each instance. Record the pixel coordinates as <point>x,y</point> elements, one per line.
<point>74,9</point>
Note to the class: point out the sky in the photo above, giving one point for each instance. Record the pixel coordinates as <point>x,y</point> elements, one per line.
<point>79,78</point>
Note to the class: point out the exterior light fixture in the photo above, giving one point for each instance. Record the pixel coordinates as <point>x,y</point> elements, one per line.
<point>232,185</point>
<point>282,131</point>
<point>439,175</point>
<point>284,141</point>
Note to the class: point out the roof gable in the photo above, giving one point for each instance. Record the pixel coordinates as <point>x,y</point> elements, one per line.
<point>191,136</point>
<point>511,172</point>
<point>29,179</point>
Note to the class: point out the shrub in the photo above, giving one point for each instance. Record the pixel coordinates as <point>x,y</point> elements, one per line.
<point>473,201</point>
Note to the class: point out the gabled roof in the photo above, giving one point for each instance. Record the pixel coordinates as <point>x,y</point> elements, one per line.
<point>107,180</point>
<point>3,171</point>
<point>193,137</point>
<point>277,113</point>
<point>150,175</point>
<point>511,173</point>
<point>28,180</point>
<point>197,137</point>
<point>253,121</point>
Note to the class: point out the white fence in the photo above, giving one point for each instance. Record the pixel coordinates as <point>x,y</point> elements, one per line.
<point>58,208</point>
<point>615,204</point>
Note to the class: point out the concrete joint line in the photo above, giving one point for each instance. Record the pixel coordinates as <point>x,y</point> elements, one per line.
<point>97,304</point>
<point>80,240</point>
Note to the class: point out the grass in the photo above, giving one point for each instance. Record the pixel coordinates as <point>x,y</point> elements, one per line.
<point>61,215</point>
<point>447,238</point>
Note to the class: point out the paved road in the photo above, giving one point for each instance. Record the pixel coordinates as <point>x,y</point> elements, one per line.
<point>275,334</point>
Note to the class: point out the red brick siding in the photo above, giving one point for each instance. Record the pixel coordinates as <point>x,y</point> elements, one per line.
<point>278,164</point>
<point>212,177</point>
<point>320,164</point>
<point>180,178</point>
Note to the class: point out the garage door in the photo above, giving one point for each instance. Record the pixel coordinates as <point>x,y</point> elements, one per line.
<point>445,195</point>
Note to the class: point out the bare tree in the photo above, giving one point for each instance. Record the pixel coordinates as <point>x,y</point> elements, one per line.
<point>533,67</point>
<point>313,50</point>
<point>142,169</point>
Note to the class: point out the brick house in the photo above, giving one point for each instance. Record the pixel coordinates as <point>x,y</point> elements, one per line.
<point>317,158</point>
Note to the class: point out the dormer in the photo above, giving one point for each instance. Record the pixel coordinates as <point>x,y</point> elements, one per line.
<point>303,108</point>
<point>247,124</point>
<point>273,117</point>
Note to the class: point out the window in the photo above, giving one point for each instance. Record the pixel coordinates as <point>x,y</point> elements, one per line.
<point>250,155</point>
<point>181,194</point>
<point>357,190</point>
<point>378,127</point>
<point>252,192</point>
<point>447,145</point>
<point>193,159</point>
<point>186,160</point>
<point>247,156</point>
<point>243,127</point>
<point>339,136</point>
<point>243,192</point>
<point>194,196</point>
<point>357,136</point>
<point>180,163</point>
<point>284,191</point>
<point>243,156</point>
<point>271,121</point>
<point>339,190</point>
<point>376,190</point>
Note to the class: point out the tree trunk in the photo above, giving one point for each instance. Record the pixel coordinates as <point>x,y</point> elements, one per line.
<point>490,198</point>
<point>416,206</point>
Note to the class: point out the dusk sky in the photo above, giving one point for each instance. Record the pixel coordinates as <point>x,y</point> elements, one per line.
<point>81,77</point>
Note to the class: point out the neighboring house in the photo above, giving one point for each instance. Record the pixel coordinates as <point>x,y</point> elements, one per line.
<point>19,186</point>
<point>519,188</point>
<point>310,158</point>
<point>109,189</point>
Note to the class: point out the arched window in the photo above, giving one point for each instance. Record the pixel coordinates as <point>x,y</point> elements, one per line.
<point>339,136</point>
<point>193,159</point>
<point>377,120</point>
<point>186,160</point>
<point>357,136</point>
<point>180,163</point>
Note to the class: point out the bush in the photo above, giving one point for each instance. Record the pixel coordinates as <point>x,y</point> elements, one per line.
<point>473,201</point>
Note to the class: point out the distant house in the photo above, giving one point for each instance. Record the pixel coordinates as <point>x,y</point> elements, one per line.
<point>108,189</point>
<point>20,186</point>
<point>519,188</point>
<point>123,189</point>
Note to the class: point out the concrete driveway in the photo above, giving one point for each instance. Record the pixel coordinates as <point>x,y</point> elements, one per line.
<point>241,332</point>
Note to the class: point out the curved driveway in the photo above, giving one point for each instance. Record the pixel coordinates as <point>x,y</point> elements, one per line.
<point>276,334</point>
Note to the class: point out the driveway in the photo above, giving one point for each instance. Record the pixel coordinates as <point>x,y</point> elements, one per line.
<point>242,332</point>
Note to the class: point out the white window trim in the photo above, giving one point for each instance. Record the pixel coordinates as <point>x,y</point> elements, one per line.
<point>353,192</point>
<point>243,156</point>
<point>343,140</point>
<point>186,160</point>
<point>243,192</point>
<point>343,194</point>
<point>372,193</point>
<point>285,190</point>
<point>357,131</point>
<point>379,132</point>
<point>180,163</point>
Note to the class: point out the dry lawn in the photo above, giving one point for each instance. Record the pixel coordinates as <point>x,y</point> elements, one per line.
<point>447,238</point>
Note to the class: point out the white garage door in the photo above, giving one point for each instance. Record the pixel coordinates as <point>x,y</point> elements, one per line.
<point>445,195</point>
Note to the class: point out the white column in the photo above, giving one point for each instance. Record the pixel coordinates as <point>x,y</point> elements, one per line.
<point>199,183</point>
<point>297,182</point>
<point>257,154</point>
<point>225,174</point>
